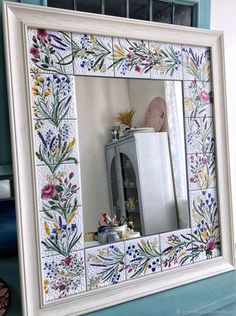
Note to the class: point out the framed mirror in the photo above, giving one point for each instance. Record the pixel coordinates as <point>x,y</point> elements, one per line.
<point>162,187</point>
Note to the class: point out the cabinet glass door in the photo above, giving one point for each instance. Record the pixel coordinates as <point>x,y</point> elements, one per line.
<point>130,192</point>
<point>115,190</point>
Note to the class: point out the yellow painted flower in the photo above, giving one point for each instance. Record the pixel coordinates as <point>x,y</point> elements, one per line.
<point>71,144</point>
<point>35,93</point>
<point>36,83</point>
<point>72,215</point>
<point>45,282</point>
<point>47,93</point>
<point>204,234</point>
<point>56,151</point>
<point>188,104</point>
<point>56,225</point>
<point>47,230</point>
<point>34,89</point>
<point>41,79</point>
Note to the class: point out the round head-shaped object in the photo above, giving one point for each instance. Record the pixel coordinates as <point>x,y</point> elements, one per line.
<point>156,113</point>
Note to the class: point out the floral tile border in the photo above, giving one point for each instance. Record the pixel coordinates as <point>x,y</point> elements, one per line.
<point>205,242</point>
<point>199,135</point>
<point>131,58</point>
<point>52,99</point>
<point>57,145</point>
<point>59,190</point>
<point>63,276</point>
<point>198,100</point>
<point>201,171</point>
<point>196,63</point>
<point>53,57</point>
<point>61,231</point>
<point>166,61</point>
<point>176,247</point>
<point>49,51</point>
<point>105,265</point>
<point>142,256</point>
<point>92,55</point>
<point>204,208</point>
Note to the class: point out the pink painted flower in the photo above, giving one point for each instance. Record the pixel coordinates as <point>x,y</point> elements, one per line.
<point>48,192</point>
<point>71,175</point>
<point>129,56</point>
<point>192,157</point>
<point>205,161</point>
<point>34,51</point>
<point>192,180</point>
<point>211,245</point>
<point>137,68</point>
<point>42,34</point>
<point>68,260</point>
<point>204,96</point>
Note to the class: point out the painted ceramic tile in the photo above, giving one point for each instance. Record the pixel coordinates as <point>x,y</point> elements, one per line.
<point>92,55</point>
<point>55,146</point>
<point>176,248</point>
<point>166,61</point>
<point>58,191</point>
<point>142,256</point>
<point>201,171</point>
<point>61,231</point>
<point>53,98</point>
<point>105,265</point>
<point>63,276</point>
<point>131,58</point>
<point>197,63</point>
<point>49,51</point>
<point>197,98</point>
<point>199,135</point>
<point>204,208</point>
<point>206,242</point>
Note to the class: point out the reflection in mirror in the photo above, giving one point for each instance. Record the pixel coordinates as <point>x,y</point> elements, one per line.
<point>137,175</point>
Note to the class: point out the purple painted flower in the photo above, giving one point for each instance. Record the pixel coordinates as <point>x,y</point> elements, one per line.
<point>62,287</point>
<point>48,191</point>
<point>205,161</point>
<point>71,175</point>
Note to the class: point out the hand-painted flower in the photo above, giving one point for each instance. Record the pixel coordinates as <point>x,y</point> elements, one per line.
<point>48,192</point>
<point>204,161</point>
<point>137,68</point>
<point>204,96</point>
<point>34,51</point>
<point>42,34</point>
<point>211,245</point>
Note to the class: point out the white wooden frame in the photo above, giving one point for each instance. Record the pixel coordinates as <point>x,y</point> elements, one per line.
<point>16,20</point>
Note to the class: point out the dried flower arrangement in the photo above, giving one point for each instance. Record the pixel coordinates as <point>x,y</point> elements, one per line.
<point>126,117</point>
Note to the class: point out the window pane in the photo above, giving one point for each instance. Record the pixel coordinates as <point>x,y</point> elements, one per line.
<point>93,6</point>
<point>68,4</point>
<point>139,9</point>
<point>183,15</point>
<point>114,7</point>
<point>162,11</point>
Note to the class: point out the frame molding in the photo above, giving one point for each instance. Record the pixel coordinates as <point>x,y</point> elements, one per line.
<point>16,20</point>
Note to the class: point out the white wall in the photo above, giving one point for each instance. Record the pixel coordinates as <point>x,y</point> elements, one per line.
<point>98,101</point>
<point>223,18</point>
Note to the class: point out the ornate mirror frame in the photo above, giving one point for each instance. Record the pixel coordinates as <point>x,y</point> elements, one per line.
<point>75,281</point>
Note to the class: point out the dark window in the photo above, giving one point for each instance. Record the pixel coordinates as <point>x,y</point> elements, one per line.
<point>162,11</point>
<point>151,10</point>
<point>116,8</point>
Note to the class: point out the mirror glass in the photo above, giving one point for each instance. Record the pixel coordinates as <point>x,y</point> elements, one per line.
<point>135,174</point>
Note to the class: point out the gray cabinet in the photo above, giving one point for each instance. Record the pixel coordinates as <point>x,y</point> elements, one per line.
<point>140,181</point>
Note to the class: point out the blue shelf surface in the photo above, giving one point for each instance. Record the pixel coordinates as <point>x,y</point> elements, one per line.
<point>207,297</point>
